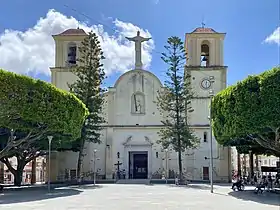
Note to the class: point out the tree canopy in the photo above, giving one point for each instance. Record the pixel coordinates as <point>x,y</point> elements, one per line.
<point>247,145</point>
<point>38,109</point>
<point>250,112</point>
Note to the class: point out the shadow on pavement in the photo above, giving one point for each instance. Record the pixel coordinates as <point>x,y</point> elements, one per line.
<point>265,198</point>
<point>194,186</point>
<point>87,187</point>
<point>35,195</point>
<point>199,187</point>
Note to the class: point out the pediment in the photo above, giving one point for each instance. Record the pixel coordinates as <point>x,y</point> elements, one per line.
<point>130,141</point>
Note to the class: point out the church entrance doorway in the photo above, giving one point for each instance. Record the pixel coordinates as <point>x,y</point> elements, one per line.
<point>138,165</point>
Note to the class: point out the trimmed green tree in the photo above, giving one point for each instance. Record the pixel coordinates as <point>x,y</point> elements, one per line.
<point>248,112</point>
<point>88,88</point>
<point>36,109</point>
<point>174,102</point>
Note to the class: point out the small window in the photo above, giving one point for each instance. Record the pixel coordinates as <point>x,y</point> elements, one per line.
<point>118,155</point>
<point>156,154</point>
<point>205,137</point>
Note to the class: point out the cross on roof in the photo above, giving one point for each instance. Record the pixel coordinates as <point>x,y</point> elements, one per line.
<point>203,24</point>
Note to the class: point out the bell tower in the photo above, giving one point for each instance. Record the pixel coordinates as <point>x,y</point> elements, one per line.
<point>205,61</point>
<point>205,65</point>
<point>205,47</point>
<point>66,54</point>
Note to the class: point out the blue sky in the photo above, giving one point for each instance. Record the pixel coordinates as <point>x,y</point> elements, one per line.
<point>247,24</point>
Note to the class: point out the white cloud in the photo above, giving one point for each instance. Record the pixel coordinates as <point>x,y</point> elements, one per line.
<point>274,37</point>
<point>32,51</point>
<point>156,1</point>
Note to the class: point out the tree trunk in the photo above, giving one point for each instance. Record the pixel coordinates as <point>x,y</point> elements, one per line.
<point>257,163</point>
<point>245,164</point>
<point>33,173</point>
<point>1,172</point>
<point>180,166</point>
<point>18,176</point>
<point>238,164</point>
<point>251,159</point>
<point>80,160</point>
<point>18,173</point>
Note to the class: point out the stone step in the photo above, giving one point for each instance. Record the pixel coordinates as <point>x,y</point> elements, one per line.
<point>133,181</point>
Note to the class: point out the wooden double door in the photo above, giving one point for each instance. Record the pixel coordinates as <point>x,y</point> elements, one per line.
<point>139,166</point>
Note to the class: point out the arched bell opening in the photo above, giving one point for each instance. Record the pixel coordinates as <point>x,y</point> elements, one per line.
<point>71,53</point>
<point>205,54</point>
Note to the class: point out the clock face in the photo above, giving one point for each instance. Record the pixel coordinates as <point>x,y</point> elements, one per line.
<point>205,84</point>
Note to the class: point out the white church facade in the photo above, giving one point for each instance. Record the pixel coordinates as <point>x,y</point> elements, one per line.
<point>133,121</point>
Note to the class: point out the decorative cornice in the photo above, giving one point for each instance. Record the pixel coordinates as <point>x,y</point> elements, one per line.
<point>60,69</point>
<point>201,97</point>
<point>150,126</point>
<point>206,68</point>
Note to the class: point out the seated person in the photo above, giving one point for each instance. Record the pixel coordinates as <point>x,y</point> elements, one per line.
<point>237,183</point>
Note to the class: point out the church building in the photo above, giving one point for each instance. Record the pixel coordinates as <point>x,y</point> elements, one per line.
<point>133,121</point>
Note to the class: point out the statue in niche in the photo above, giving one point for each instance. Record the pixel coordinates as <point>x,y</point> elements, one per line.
<point>138,103</point>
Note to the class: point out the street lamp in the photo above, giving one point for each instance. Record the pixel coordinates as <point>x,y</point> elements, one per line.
<point>49,174</point>
<point>211,94</point>
<point>166,164</point>
<point>94,166</point>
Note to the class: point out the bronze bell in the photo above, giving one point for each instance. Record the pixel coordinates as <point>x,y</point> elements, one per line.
<point>205,58</point>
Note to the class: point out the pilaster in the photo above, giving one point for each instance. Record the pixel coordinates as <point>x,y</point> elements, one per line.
<point>111,105</point>
<point>53,172</point>
<point>109,153</point>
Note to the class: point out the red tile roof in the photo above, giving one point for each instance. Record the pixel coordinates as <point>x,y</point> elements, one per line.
<point>73,32</point>
<point>204,30</point>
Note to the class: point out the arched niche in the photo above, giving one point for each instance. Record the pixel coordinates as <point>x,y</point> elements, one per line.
<point>205,53</point>
<point>72,53</point>
<point>138,103</point>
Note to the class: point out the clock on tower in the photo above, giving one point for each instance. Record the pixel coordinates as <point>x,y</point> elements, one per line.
<point>205,83</point>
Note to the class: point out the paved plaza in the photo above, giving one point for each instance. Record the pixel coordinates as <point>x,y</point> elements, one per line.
<point>126,197</point>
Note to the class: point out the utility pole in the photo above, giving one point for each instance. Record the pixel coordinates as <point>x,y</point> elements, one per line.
<point>211,94</point>
<point>49,172</point>
<point>94,167</point>
<point>166,164</point>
